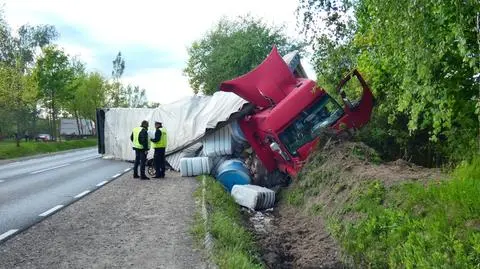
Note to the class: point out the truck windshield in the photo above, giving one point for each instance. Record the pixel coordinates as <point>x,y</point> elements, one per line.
<point>308,125</point>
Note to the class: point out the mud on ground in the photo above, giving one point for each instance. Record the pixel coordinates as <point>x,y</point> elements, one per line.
<point>290,239</point>
<point>293,237</point>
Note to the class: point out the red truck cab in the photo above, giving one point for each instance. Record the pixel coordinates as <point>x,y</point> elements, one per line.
<point>292,112</point>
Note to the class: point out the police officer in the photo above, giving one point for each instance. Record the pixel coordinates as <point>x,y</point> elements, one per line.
<point>139,137</point>
<point>159,143</point>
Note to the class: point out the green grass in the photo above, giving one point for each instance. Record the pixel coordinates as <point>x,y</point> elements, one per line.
<point>9,149</point>
<point>234,246</point>
<point>415,226</point>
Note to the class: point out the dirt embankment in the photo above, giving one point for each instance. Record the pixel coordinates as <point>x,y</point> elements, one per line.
<point>129,223</point>
<point>296,234</point>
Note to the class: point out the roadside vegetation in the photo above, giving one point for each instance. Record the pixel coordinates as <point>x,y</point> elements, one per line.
<point>233,245</point>
<point>9,149</point>
<point>417,218</point>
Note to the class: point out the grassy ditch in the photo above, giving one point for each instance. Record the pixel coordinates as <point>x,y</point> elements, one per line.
<point>233,245</point>
<point>9,149</point>
<point>393,216</point>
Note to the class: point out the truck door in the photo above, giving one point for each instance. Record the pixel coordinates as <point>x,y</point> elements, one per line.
<point>358,105</point>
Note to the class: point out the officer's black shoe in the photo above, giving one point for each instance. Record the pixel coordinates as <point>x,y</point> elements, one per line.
<point>135,176</point>
<point>144,178</point>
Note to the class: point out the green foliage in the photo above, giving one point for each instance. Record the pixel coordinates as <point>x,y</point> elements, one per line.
<point>232,48</point>
<point>18,92</point>
<point>412,226</point>
<point>18,95</point>
<point>90,94</point>
<point>468,170</point>
<point>315,209</point>
<point>54,74</point>
<point>233,244</point>
<point>419,57</point>
<point>295,197</point>
<point>9,149</point>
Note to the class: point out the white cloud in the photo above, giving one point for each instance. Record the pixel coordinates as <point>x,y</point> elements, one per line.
<point>162,85</point>
<point>86,55</point>
<point>164,25</point>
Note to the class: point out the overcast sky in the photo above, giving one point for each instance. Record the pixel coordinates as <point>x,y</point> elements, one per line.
<point>152,35</point>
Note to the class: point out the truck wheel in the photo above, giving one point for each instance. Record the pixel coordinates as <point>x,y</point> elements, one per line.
<point>261,176</point>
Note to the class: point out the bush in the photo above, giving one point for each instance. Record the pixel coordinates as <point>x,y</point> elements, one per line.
<point>413,226</point>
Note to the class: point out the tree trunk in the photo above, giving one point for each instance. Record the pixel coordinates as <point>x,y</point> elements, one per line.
<point>54,118</point>
<point>17,134</point>
<point>34,124</point>
<point>78,123</point>
<point>82,121</point>
<point>89,129</point>
<point>478,78</point>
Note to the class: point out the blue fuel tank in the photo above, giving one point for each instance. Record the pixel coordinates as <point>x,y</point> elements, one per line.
<point>232,172</point>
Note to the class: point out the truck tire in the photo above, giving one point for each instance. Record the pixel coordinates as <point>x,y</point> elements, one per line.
<point>261,176</point>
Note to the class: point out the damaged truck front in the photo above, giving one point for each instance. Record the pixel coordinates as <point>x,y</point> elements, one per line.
<point>291,112</point>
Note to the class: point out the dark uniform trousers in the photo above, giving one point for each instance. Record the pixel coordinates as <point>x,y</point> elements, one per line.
<point>159,160</point>
<point>140,158</point>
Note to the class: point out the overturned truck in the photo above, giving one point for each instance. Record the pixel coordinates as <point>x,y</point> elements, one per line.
<point>258,129</point>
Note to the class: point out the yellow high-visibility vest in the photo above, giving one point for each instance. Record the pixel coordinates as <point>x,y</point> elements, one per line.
<point>136,134</point>
<point>163,140</point>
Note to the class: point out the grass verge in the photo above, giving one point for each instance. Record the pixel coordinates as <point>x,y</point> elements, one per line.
<point>9,149</point>
<point>233,245</point>
<point>408,224</point>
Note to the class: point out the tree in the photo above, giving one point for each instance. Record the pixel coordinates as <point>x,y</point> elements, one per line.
<point>17,55</point>
<point>71,103</point>
<point>116,88</point>
<point>53,74</point>
<point>18,96</point>
<point>419,58</point>
<point>30,38</point>
<point>135,97</point>
<point>329,26</point>
<point>232,48</point>
<point>92,92</point>
<point>124,96</point>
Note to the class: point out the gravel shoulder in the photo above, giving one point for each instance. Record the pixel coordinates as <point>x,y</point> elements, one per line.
<point>128,223</point>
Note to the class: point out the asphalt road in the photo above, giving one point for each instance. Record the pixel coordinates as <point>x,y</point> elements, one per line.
<point>33,189</point>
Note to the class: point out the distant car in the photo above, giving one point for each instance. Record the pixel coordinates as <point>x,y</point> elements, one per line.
<point>43,137</point>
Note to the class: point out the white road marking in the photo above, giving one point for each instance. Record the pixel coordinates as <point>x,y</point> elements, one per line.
<point>116,175</point>
<point>51,168</point>
<point>89,158</point>
<point>7,234</point>
<point>102,183</point>
<point>51,210</point>
<point>81,194</point>
<point>126,170</point>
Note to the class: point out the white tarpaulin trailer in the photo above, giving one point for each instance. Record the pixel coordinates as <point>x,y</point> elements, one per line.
<point>186,121</point>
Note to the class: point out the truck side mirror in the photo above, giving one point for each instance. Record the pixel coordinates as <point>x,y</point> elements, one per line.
<point>276,148</point>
